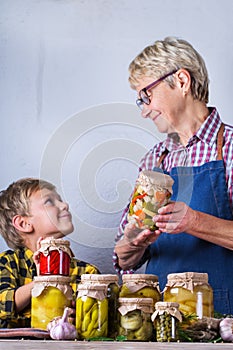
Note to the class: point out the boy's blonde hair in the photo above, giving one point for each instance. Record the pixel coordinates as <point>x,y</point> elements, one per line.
<point>15,201</point>
<point>167,55</point>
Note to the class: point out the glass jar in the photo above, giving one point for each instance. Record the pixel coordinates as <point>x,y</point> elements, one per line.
<point>165,320</point>
<point>50,295</point>
<point>92,311</point>
<point>192,291</point>
<point>54,257</point>
<point>111,282</point>
<point>140,286</point>
<point>135,318</point>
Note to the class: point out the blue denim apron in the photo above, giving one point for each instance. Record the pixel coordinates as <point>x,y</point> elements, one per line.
<point>203,188</point>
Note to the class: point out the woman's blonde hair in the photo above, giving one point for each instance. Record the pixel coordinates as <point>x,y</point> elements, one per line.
<point>15,201</point>
<point>167,55</point>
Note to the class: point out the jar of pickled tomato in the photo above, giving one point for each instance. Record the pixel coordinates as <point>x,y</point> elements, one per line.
<point>135,319</point>
<point>92,310</point>
<point>54,257</point>
<point>50,295</point>
<point>165,319</point>
<point>111,282</point>
<point>192,291</point>
<point>140,286</point>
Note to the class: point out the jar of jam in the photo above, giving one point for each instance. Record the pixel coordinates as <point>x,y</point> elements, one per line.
<point>54,257</point>
<point>192,291</point>
<point>135,319</point>
<point>140,286</point>
<point>92,311</point>
<point>50,295</point>
<point>111,282</point>
<point>165,320</point>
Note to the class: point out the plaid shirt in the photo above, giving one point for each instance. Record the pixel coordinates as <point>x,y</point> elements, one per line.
<point>16,269</point>
<point>200,149</point>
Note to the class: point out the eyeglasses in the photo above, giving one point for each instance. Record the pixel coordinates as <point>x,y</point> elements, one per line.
<point>144,97</point>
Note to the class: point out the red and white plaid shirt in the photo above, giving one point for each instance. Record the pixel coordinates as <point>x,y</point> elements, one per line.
<point>200,149</point>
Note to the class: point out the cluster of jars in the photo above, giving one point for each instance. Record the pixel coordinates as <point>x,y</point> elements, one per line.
<point>52,291</point>
<point>136,310</point>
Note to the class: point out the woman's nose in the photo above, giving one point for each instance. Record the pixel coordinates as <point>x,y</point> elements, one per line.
<point>145,111</point>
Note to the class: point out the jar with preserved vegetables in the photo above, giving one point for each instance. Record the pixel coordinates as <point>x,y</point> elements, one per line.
<point>50,296</point>
<point>165,320</point>
<point>111,282</point>
<point>54,257</point>
<point>140,286</point>
<point>192,291</point>
<point>92,311</point>
<point>135,318</point>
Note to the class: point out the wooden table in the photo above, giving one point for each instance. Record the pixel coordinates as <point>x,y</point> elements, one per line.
<point>19,344</point>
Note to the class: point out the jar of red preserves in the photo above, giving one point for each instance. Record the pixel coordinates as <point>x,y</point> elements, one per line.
<point>55,255</point>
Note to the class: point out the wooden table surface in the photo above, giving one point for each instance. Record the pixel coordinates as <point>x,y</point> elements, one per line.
<point>19,344</point>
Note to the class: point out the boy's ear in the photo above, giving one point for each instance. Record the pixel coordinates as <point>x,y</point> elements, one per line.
<point>21,223</point>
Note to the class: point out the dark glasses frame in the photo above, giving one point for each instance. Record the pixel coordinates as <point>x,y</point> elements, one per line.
<point>143,96</point>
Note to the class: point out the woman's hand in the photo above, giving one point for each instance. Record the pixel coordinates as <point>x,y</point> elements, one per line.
<point>139,237</point>
<point>175,217</point>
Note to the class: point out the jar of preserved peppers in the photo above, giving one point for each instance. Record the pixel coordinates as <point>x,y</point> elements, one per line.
<point>165,320</point>
<point>111,282</point>
<point>50,295</point>
<point>140,286</point>
<point>135,318</point>
<point>92,311</point>
<point>54,257</point>
<point>192,291</point>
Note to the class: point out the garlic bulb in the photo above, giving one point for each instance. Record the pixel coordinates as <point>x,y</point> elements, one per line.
<point>60,329</point>
<point>226,329</point>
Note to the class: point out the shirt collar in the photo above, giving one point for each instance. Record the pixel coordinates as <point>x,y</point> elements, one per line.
<point>206,133</point>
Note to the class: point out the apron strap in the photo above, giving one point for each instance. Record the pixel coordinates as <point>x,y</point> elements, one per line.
<point>219,147</point>
<point>220,142</point>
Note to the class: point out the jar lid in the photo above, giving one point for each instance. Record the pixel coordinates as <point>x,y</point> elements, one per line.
<point>52,278</point>
<point>87,286</point>
<point>107,278</point>
<point>163,305</point>
<point>142,301</point>
<point>194,276</point>
<point>171,308</point>
<point>129,304</point>
<point>139,277</point>
<point>50,243</point>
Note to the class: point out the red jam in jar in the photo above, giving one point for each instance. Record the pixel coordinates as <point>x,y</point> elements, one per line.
<point>55,257</point>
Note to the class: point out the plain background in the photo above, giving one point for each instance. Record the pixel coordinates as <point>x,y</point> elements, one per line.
<point>67,112</point>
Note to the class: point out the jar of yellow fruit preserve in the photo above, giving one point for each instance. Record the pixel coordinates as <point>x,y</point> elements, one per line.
<point>111,282</point>
<point>135,319</point>
<point>192,291</point>
<point>50,295</point>
<point>92,311</point>
<point>140,286</point>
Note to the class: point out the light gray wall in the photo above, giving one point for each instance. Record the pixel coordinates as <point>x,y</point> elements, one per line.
<point>67,112</point>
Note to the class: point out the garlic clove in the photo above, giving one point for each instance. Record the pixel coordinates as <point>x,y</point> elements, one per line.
<point>60,328</point>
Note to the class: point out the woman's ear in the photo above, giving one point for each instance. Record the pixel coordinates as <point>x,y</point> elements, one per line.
<point>22,224</point>
<point>184,81</point>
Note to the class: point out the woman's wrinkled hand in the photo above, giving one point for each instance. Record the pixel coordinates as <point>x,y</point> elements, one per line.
<point>138,237</point>
<point>175,217</point>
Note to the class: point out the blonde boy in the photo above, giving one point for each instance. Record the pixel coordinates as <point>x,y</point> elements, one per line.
<point>29,209</point>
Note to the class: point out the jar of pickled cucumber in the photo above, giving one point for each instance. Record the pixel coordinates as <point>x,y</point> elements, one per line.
<point>111,282</point>
<point>50,295</point>
<point>192,291</point>
<point>54,257</point>
<point>135,319</point>
<point>92,311</point>
<point>165,319</point>
<point>140,286</point>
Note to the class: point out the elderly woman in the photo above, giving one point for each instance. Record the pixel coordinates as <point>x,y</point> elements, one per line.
<point>195,231</point>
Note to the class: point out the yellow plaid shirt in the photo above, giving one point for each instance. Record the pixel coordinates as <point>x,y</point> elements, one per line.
<point>16,269</point>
